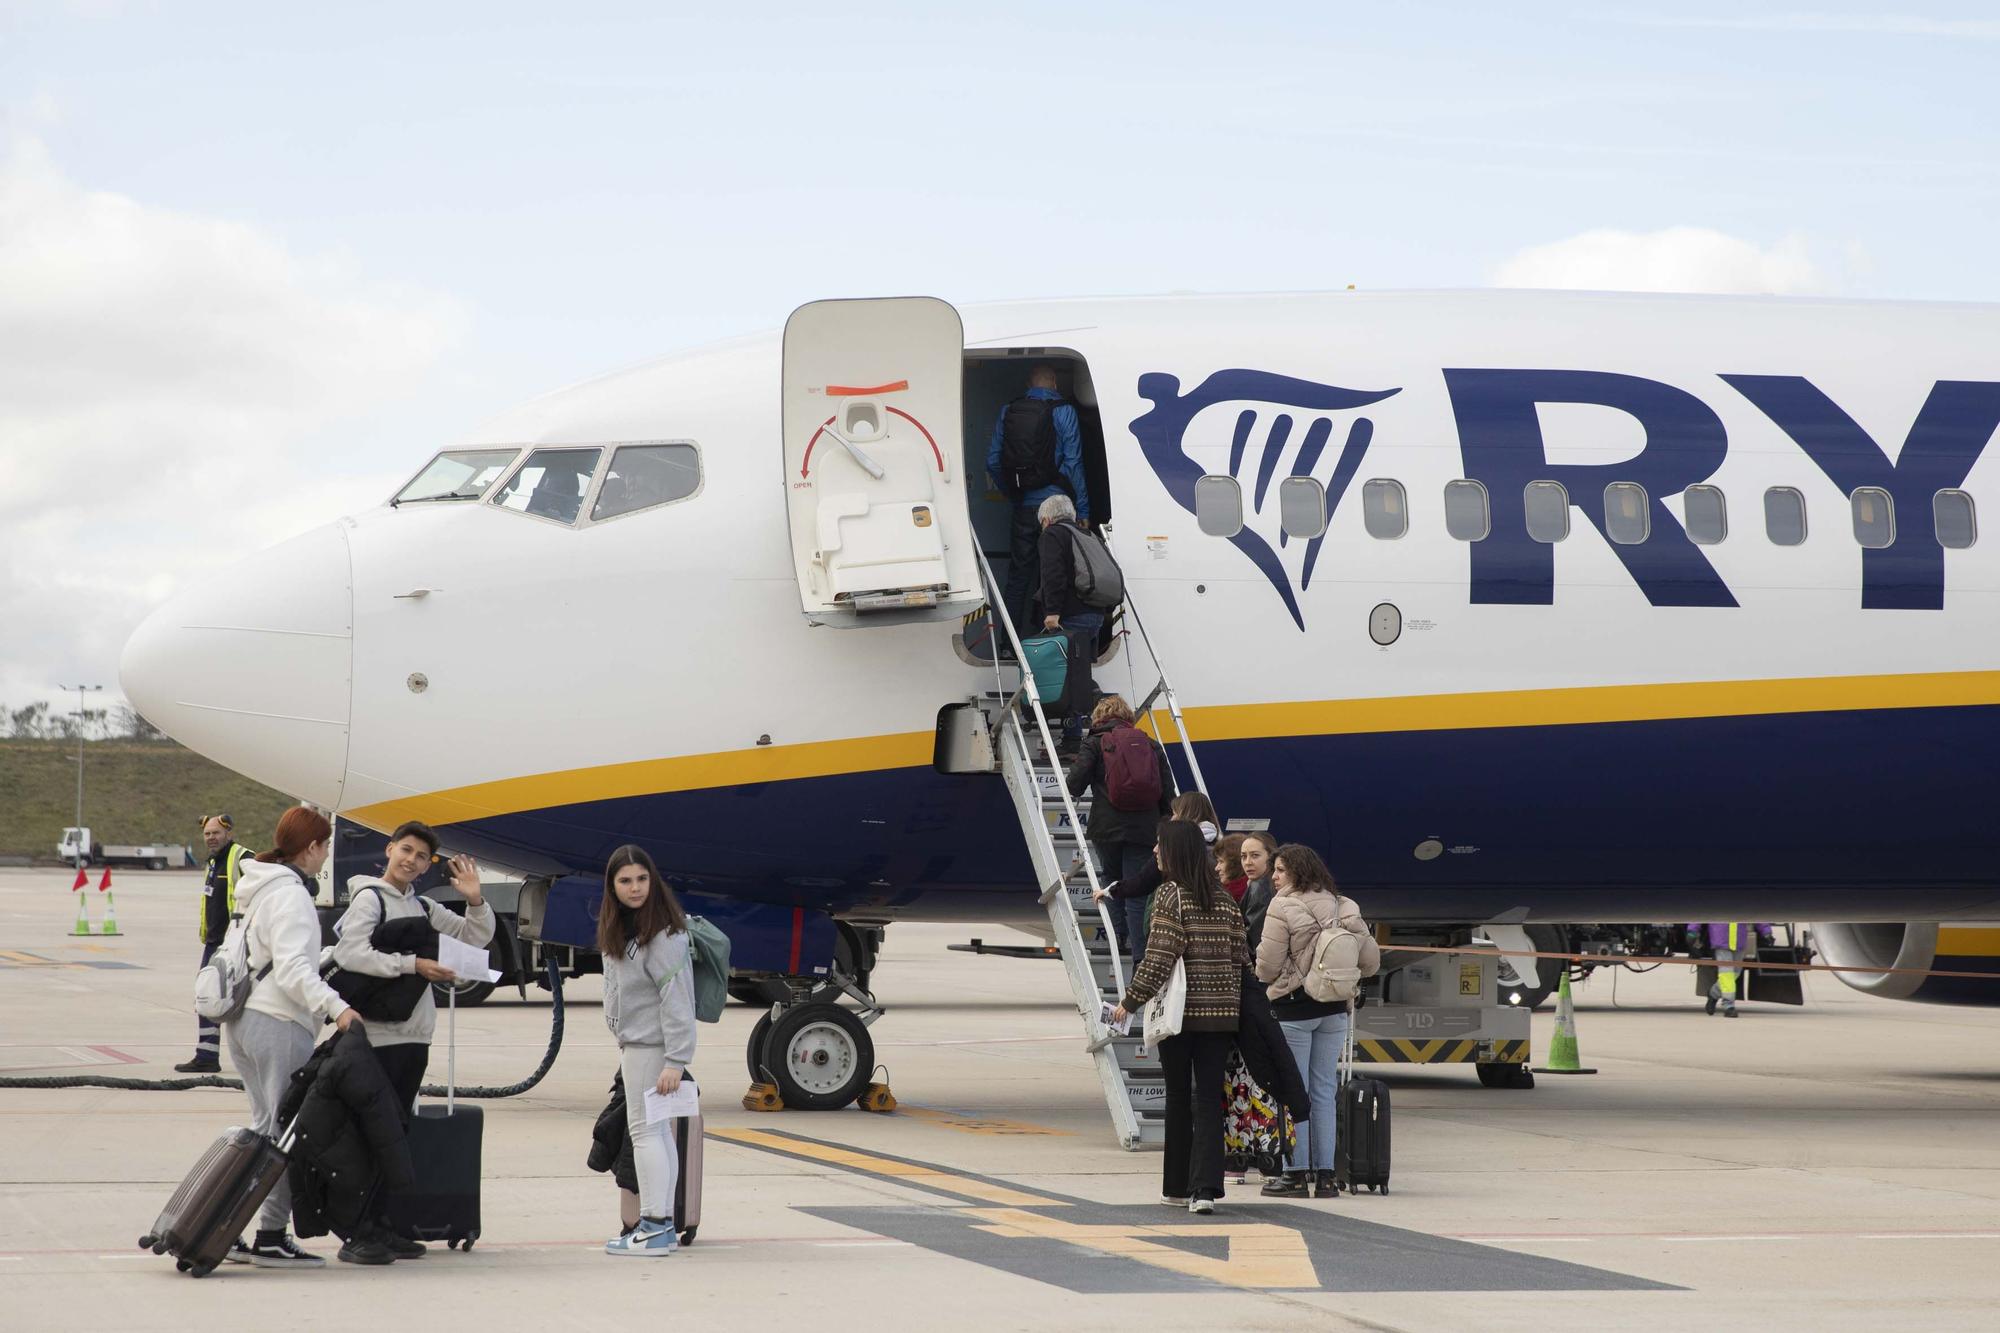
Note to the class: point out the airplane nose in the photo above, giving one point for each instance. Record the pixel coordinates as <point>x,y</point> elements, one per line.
<point>252,666</point>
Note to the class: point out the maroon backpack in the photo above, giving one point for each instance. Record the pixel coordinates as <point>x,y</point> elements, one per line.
<point>1131,774</point>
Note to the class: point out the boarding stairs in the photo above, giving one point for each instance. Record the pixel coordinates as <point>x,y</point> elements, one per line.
<point>1052,823</point>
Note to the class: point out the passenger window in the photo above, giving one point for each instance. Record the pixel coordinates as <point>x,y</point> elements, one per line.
<point>1218,506</point>
<point>1874,517</point>
<point>1953,516</point>
<point>644,475</point>
<point>1301,507</point>
<point>1707,515</point>
<point>457,474</point>
<point>1385,510</point>
<point>1784,516</point>
<point>551,484</point>
<point>1547,504</point>
<point>1467,515</point>
<point>1627,519</point>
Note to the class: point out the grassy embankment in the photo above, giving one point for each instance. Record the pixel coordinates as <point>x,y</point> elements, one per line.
<point>134,792</point>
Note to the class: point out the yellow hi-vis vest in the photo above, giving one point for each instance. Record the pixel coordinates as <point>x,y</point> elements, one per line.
<point>236,854</point>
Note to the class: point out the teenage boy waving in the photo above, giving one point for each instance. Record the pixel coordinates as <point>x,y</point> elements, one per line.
<point>405,1048</point>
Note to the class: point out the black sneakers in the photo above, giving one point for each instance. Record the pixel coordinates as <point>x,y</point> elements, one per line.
<point>366,1250</point>
<point>201,1064</point>
<point>1290,1185</point>
<point>1326,1186</point>
<point>1712,1002</point>
<point>281,1251</point>
<point>402,1246</point>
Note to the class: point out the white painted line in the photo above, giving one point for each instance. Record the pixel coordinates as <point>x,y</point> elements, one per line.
<point>10,1259</point>
<point>1933,1235</point>
<point>1696,1240</point>
<point>125,1256</point>
<point>859,1244</point>
<point>1538,1240</point>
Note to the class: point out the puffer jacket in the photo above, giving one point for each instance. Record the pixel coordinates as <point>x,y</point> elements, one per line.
<point>611,1139</point>
<point>389,999</point>
<point>350,1131</point>
<point>1292,925</point>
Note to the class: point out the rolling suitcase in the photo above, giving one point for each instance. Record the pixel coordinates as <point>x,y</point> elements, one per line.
<point>687,1185</point>
<point>207,1214</point>
<point>1361,1154</point>
<point>1048,662</point>
<point>443,1202</point>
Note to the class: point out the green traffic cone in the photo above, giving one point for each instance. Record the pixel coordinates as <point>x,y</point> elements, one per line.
<point>82,915</point>
<point>110,926</point>
<point>1562,1047</point>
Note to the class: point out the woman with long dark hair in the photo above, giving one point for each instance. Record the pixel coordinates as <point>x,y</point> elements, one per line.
<point>649,1007</point>
<point>273,1035</point>
<point>1199,926</point>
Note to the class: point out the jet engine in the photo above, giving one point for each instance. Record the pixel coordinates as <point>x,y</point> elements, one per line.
<point>1920,947</point>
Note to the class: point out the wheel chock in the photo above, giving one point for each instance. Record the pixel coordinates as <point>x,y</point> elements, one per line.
<point>763,1097</point>
<point>877,1098</point>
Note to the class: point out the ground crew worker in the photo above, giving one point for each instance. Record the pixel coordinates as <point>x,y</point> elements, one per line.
<point>218,903</point>
<point>1036,452</point>
<point>1729,940</point>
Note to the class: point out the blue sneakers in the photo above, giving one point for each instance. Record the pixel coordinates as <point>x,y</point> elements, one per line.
<point>650,1239</point>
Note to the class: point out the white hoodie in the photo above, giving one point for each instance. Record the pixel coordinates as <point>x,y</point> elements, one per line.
<point>284,931</point>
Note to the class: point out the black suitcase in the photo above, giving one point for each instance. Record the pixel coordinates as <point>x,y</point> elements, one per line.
<point>1361,1154</point>
<point>207,1214</point>
<point>443,1202</point>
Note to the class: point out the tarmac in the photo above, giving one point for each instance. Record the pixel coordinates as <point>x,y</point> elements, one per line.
<point>1830,1167</point>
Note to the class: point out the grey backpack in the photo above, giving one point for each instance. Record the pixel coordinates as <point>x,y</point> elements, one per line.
<point>1099,583</point>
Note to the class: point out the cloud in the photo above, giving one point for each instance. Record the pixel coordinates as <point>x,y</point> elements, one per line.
<point>167,385</point>
<point>1890,25</point>
<point>1678,259</point>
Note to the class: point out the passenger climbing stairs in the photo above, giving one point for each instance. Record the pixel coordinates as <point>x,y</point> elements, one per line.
<point>1052,823</point>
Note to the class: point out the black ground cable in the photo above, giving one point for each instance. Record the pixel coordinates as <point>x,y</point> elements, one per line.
<point>217,1081</point>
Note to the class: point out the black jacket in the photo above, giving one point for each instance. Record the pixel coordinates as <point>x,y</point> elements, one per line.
<point>1107,823</point>
<point>1256,903</point>
<point>389,999</point>
<point>611,1139</point>
<point>1058,562</point>
<point>1265,1052</point>
<point>350,1131</point>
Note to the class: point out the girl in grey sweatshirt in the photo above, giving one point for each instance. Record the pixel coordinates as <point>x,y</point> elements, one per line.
<point>649,1007</point>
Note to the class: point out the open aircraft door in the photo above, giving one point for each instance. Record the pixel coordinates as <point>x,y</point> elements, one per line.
<point>873,460</point>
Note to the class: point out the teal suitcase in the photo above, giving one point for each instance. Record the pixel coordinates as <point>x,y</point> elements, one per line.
<point>1048,658</point>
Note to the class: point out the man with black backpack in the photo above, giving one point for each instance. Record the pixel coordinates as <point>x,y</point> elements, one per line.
<point>1131,790</point>
<point>1036,452</point>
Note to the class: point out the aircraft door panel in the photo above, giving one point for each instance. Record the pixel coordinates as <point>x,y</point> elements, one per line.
<point>873,443</point>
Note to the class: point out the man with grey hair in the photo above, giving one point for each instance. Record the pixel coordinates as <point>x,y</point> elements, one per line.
<point>1065,613</point>
<point>1036,453</point>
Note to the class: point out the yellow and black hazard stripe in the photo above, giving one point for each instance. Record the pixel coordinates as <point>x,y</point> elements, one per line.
<point>1441,1051</point>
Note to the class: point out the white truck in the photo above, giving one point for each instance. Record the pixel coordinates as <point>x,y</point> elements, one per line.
<point>78,848</point>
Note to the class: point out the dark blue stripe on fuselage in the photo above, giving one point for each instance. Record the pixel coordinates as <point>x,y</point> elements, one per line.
<point>1867,815</point>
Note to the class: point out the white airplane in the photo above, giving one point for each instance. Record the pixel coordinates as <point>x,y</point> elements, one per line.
<point>1521,607</point>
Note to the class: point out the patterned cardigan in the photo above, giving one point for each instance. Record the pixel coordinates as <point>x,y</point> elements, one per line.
<point>1212,945</point>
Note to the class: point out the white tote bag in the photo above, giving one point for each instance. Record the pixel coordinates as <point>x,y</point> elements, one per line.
<point>1165,1010</point>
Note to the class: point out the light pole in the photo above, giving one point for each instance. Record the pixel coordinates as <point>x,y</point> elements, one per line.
<point>83,853</point>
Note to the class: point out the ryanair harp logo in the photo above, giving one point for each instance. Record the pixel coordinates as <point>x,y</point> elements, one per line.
<point>1262,429</point>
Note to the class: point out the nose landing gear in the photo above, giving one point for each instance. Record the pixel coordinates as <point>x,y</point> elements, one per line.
<point>818,1053</point>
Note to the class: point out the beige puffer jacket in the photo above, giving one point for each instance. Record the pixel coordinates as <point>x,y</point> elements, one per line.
<point>1291,928</point>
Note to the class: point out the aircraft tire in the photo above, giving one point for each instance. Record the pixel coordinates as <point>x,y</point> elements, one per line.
<point>754,1055</point>
<point>821,1055</point>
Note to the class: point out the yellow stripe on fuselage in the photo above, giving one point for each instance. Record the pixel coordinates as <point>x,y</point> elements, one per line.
<point>1330,717</point>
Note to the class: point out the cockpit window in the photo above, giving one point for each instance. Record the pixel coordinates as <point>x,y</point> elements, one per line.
<point>644,475</point>
<point>551,484</point>
<point>457,474</point>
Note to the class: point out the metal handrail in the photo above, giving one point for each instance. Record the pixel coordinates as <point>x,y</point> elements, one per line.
<point>1166,686</point>
<point>997,610</point>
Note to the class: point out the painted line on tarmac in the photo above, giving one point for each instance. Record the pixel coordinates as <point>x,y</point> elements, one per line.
<point>1569,1238</point>
<point>969,1123</point>
<point>921,1175</point>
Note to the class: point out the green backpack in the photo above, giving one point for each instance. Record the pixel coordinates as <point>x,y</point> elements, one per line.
<point>710,949</point>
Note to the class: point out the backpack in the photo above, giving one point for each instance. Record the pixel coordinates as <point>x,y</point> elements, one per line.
<point>1097,580</point>
<point>223,985</point>
<point>709,948</point>
<point>1028,447</point>
<point>1131,773</point>
<point>1340,958</point>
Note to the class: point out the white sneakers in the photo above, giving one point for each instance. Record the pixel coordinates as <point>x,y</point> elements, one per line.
<point>651,1239</point>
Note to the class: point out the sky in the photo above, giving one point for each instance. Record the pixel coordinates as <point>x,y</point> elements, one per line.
<point>258,261</point>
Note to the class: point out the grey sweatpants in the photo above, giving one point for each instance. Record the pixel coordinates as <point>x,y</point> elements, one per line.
<point>654,1157</point>
<point>267,1051</point>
